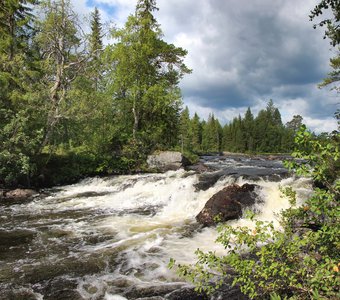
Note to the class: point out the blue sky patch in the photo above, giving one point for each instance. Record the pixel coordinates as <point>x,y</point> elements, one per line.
<point>110,9</point>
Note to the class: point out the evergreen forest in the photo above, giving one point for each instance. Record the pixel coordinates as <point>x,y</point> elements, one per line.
<point>71,106</point>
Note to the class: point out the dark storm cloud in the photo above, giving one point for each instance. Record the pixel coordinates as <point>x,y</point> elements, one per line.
<point>265,44</point>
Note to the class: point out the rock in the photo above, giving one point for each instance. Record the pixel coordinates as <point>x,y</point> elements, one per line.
<point>136,292</point>
<point>61,288</point>
<point>228,291</point>
<point>199,168</point>
<point>166,160</point>
<point>186,293</point>
<point>227,204</point>
<point>20,193</point>
<point>207,180</point>
<point>18,293</point>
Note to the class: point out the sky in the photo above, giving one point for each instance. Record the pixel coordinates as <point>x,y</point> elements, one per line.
<point>243,53</point>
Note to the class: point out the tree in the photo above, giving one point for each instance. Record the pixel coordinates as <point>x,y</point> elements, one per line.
<point>211,135</point>
<point>248,124</point>
<point>332,31</point>
<point>20,106</point>
<point>185,130</point>
<point>59,44</point>
<point>295,124</point>
<point>332,24</point>
<point>144,75</point>
<point>196,130</point>
<point>96,43</point>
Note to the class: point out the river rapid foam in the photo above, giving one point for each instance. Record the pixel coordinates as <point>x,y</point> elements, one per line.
<point>112,238</point>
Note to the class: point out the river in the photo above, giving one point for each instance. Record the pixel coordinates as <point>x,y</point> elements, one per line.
<point>112,237</point>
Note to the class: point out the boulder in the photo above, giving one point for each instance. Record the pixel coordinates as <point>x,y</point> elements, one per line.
<point>20,193</point>
<point>17,196</point>
<point>166,160</point>
<point>227,204</point>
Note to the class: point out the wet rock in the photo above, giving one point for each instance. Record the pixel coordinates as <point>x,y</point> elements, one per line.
<point>187,293</point>
<point>166,160</point>
<point>151,298</point>
<point>15,237</point>
<point>199,167</point>
<point>60,289</point>
<point>20,193</point>
<point>227,204</point>
<point>64,294</point>
<point>227,291</point>
<point>136,292</point>
<point>70,266</point>
<point>17,196</point>
<point>207,180</point>
<point>18,294</point>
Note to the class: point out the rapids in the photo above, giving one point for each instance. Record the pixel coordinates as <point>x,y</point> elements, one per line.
<point>112,238</point>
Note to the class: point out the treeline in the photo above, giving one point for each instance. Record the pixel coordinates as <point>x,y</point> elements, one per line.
<point>264,133</point>
<point>70,105</point>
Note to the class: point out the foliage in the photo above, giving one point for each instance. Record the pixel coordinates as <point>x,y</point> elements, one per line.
<point>264,133</point>
<point>211,135</point>
<point>302,259</point>
<point>332,32</point>
<point>331,23</point>
<point>143,76</point>
<point>66,99</point>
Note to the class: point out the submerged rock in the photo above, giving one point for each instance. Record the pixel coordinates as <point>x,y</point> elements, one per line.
<point>166,160</point>
<point>227,204</point>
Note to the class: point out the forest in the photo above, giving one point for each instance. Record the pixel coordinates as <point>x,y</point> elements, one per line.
<point>71,106</point>
<point>264,133</point>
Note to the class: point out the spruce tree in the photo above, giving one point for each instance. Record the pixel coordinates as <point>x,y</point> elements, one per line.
<point>96,43</point>
<point>196,129</point>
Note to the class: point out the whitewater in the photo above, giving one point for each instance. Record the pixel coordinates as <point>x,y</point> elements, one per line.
<point>112,237</point>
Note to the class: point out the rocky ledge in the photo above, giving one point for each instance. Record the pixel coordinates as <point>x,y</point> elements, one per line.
<point>227,204</point>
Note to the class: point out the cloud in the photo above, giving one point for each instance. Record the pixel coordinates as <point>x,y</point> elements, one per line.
<point>244,53</point>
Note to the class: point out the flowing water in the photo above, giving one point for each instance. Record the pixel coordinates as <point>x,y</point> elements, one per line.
<point>112,238</point>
